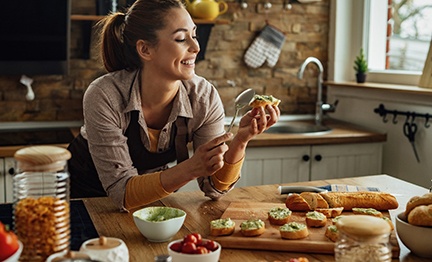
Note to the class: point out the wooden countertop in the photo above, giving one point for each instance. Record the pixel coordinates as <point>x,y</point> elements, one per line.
<point>200,211</point>
<point>341,133</point>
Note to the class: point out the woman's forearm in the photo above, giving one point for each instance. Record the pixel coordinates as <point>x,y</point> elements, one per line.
<point>236,151</point>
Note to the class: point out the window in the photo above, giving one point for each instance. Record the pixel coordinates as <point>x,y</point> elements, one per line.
<point>357,24</point>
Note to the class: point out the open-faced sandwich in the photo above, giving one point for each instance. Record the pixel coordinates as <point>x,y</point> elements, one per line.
<point>252,227</point>
<point>222,227</point>
<point>332,233</point>
<point>279,215</point>
<point>315,219</point>
<point>294,230</point>
<point>367,211</point>
<point>263,100</point>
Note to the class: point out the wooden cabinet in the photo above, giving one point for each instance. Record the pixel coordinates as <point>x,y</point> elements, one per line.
<point>7,169</point>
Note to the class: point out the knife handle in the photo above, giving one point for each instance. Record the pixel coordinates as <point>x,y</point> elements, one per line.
<point>298,189</point>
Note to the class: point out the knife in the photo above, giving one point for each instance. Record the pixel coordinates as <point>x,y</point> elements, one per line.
<point>298,189</point>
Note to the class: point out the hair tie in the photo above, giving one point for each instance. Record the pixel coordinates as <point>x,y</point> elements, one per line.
<point>122,27</point>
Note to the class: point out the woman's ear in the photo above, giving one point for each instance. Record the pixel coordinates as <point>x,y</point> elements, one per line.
<point>143,50</point>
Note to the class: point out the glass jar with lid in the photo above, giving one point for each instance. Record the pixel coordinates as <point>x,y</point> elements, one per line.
<point>41,201</point>
<point>363,238</point>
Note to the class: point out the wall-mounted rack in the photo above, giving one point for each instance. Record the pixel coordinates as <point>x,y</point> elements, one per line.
<point>383,112</point>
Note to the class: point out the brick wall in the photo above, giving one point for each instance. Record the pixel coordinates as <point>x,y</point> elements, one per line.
<point>305,27</point>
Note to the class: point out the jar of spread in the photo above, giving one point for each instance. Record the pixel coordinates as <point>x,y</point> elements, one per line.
<point>363,238</point>
<point>41,201</point>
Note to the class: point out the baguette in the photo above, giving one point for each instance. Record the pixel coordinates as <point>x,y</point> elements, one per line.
<point>252,227</point>
<point>421,216</point>
<point>263,100</point>
<point>222,227</point>
<point>297,203</point>
<point>279,216</point>
<point>361,199</point>
<point>314,200</point>
<point>294,230</point>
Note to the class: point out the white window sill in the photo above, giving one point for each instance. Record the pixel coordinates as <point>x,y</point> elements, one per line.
<point>390,88</point>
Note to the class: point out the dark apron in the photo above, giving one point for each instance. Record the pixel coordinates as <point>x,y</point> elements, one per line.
<point>84,180</point>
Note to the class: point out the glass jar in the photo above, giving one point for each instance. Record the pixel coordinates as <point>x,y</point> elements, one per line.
<point>41,201</point>
<point>363,238</point>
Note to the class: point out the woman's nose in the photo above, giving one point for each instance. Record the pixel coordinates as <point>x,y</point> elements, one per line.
<point>194,46</point>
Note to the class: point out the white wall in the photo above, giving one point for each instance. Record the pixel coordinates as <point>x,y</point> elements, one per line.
<point>357,105</point>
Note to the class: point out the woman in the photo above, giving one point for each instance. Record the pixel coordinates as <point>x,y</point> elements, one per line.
<point>140,116</point>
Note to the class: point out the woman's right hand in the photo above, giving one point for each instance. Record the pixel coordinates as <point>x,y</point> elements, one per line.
<point>209,157</point>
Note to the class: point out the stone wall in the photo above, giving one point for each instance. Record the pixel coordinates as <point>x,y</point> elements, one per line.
<point>305,26</point>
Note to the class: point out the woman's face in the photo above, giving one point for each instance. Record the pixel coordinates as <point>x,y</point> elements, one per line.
<point>175,54</point>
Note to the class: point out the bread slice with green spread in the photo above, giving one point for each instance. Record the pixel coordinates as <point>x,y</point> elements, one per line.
<point>294,230</point>
<point>222,227</point>
<point>315,219</point>
<point>263,100</point>
<point>367,211</point>
<point>279,215</point>
<point>252,227</point>
<point>332,233</point>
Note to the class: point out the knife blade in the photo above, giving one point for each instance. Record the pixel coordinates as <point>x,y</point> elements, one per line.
<point>298,189</point>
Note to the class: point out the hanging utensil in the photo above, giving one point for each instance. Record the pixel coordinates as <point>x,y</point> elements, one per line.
<point>410,130</point>
<point>242,100</point>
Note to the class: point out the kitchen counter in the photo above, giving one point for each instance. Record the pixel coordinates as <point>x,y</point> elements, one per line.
<point>200,211</point>
<point>341,133</point>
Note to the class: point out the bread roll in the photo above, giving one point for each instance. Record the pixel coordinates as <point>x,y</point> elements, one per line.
<point>421,216</point>
<point>331,212</point>
<point>294,230</point>
<point>314,200</point>
<point>361,199</point>
<point>279,216</point>
<point>315,219</point>
<point>222,227</point>
<point>415,201</point>
<point>296,203</point>
<point>252,227</point>
<point>263,100</point>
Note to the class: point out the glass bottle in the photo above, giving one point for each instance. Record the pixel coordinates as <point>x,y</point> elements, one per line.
<point>363,238</point>
<point>41,201</point>
<point>163,258</point>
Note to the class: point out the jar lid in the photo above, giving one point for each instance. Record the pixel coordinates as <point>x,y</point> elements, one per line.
<point>42,158</point>
<point>363,225</point>
<point>102,243</point>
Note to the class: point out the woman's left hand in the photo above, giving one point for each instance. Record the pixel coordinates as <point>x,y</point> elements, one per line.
<point>257,121</point>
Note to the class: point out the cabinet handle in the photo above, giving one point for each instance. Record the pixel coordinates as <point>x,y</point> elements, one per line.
<point>11,171</point>
<point>318,158</point>
<point>305,158</point>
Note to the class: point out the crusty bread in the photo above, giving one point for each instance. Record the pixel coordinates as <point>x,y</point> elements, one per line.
<point>294,230</point>
<point>263,100</point>
<point>415,201</point>
<point>222,227</point>
<point>421,216</point>
<point>314,200</point>
<point>252,227</point>
<point>315,219</point>
<point>331,212</point>
<point>296,203</point>
<point>367,211</point>
<point>361,199</point>
<point>332,233</point>
<point>279,216</point>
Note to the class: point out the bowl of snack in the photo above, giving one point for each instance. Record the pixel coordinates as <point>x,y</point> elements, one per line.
<point>414,226</point>
<point>158,223</point>
<point>193,248</point>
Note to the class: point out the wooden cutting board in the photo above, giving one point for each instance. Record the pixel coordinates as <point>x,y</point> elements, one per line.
<point>316,242</point>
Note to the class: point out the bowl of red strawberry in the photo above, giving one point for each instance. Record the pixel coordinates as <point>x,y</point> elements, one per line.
<point>194,248</point>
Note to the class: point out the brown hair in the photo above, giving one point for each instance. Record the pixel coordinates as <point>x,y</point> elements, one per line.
<point>121,31</point>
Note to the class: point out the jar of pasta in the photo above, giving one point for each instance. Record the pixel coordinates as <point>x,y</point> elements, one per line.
<point>41,201</point>
<point>363,238</point>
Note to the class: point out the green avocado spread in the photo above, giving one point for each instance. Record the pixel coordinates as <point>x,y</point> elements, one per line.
<point>222,223</point>
<point>158,214</point>
<point>252,224</point>
<point>292,227</point>
<point>315,215</point>
<point>279,212</point>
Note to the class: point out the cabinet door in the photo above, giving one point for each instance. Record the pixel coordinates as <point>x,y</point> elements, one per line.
<point>2,181</point>
<point>274,165</point>
<point>337,161</point>
<point>10,169</point>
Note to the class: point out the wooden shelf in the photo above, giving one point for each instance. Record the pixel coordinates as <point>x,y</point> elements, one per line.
<point>98,17</point>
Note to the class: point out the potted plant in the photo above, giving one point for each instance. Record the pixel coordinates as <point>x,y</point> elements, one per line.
<point>361,67</point>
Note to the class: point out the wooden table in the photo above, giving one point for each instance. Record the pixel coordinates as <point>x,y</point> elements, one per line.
<point>200,211</point>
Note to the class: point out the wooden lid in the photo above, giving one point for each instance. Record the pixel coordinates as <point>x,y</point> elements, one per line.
<point>363,225</point>
<point>47,158</point>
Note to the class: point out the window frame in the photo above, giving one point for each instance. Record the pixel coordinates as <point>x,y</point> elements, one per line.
<point>349,29</point>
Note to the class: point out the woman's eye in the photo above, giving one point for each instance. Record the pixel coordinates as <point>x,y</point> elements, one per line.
<point>180,40</point>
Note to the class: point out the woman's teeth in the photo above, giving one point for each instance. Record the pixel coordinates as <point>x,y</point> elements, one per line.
<point>188,62</point>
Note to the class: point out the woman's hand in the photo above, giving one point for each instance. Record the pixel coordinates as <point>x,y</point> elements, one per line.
<point>209,157</point>
<point>257,121</point>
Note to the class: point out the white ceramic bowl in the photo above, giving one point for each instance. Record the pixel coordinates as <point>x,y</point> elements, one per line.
<point>180,257</point>
<point>415,238</point>
<point>159,224</point>
<point>15,257</point>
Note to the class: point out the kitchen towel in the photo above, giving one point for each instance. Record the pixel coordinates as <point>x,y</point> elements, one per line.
<point>348,188</point>
<point>265,48</point>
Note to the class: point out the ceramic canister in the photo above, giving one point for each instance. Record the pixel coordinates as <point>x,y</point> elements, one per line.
<point>107,249</point>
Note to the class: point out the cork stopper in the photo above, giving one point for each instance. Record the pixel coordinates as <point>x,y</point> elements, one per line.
<point>42,158</point>
<point>363,226</point>
<point>102,243</point>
